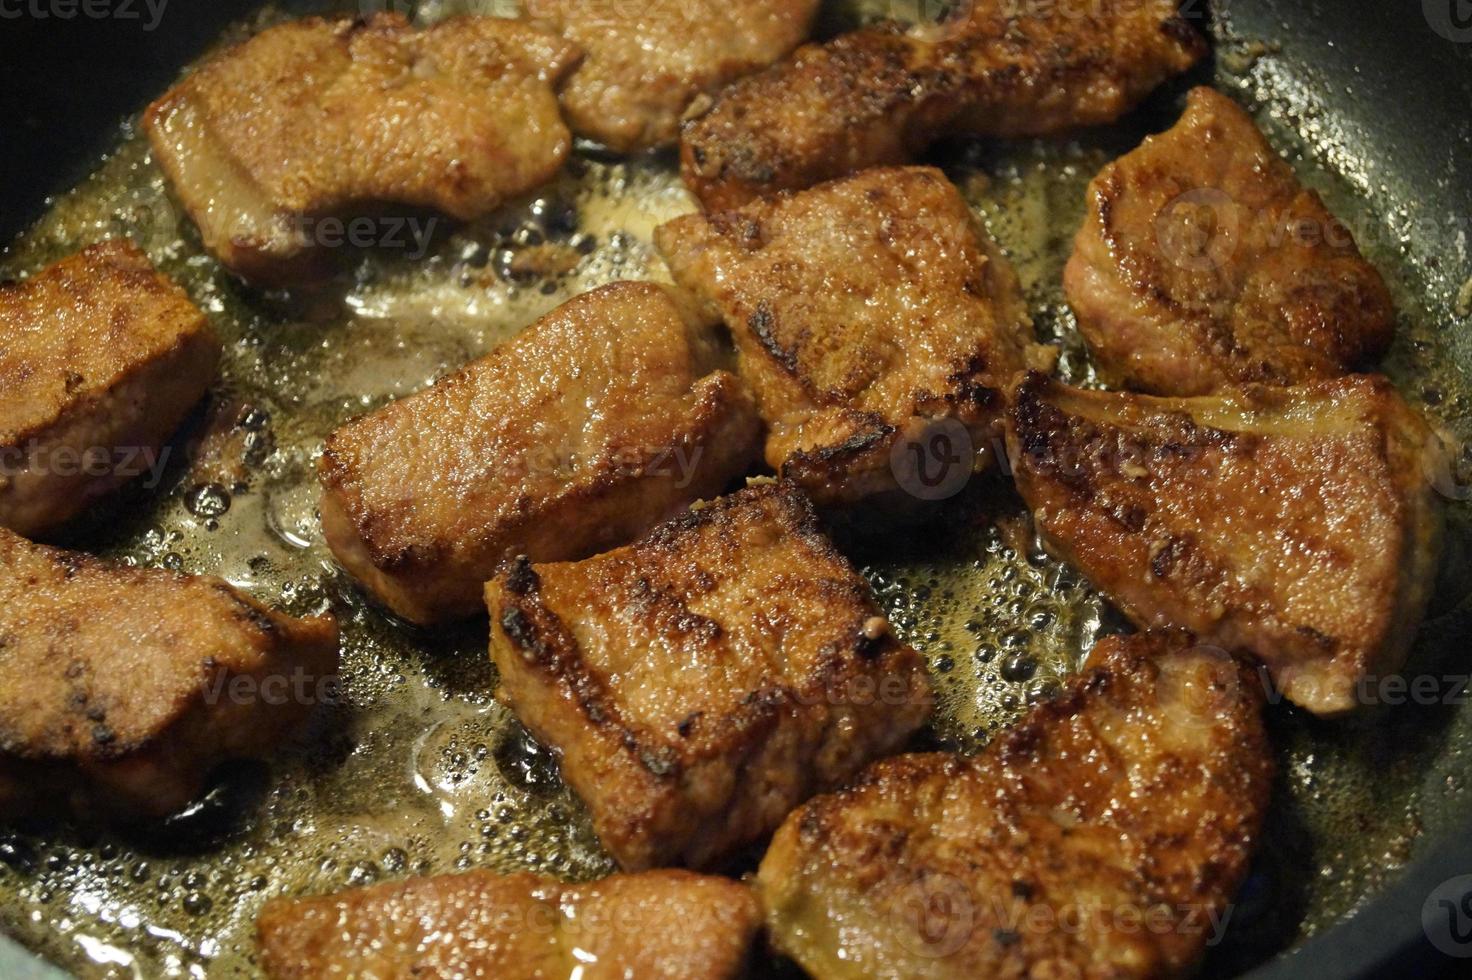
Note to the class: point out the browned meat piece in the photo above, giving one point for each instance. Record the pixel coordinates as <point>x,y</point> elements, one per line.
<point>603,418</point>
<point>1102,837</point>
<point>863,310</point>
<point>1202,262</point>
<point>646,63</point>
<point>883,93</point>
<point>121,688</point>
<point>101,358</point>
<point>315,117</point>
<point>1296,523</point>
<point>701,683</point>
<point>661,925</point>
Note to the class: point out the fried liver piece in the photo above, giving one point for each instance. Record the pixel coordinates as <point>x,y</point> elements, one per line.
<point>608,415</point>
<point>702,682</point>
<point>121,687</point>
<point>1295,523</point>
<point>316,117</point>
<point>101,359</point>
<point>660,925</point>
<point>1202,262</point>
<point>863,310</point>
<point>881,94</point>
<point>1101,837</point>
<point>646,64</point>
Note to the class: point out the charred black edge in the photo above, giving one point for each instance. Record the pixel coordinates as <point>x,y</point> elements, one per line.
<point>1033,417</point>
<point>805,465</point>
<point>547,646</point>
<point>760,323</point>
<point>540,636</point>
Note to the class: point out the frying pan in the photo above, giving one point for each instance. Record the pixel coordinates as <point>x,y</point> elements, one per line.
<point>1380,95</point>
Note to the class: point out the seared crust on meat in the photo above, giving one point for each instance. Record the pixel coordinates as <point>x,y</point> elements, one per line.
<point>863,310</point>
<point>317,116</point>
<point>646,64</point>
<point>700,683</point>
<point>661,925</point>
<point>880,94</point>
<point>101,359</point>
<point>1202,262</point>
<point>1296,523</point>
<point>1102,837</point>
<point>603,418</point>
<point>120,687</point>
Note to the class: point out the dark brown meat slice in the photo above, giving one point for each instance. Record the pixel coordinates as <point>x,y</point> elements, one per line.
<point>593,424</point>
<point>121,688</point>
<point>661,925</point>
<point>883,93</point>
<point>865,312</point>
<point>101,359</point>
<point>1296,523</point>
<point>315,117</point>
<point>1102,837</point>
<point>702,682</point>
<point>1203,262</point>
<point>646,64</point>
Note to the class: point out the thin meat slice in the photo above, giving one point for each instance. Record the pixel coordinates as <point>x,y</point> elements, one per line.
<point>1202,262</point>
<point>121,688</point>
<point>701,682</point>
<point>1295,523</point>
<point>647,64</point>
<point>608,415</point>
<point>661,925</point>
<point>867,312</point>
<point>101,359</point>
<point>1102,837</point>
<point>315,117</point>
<point>881,94</point>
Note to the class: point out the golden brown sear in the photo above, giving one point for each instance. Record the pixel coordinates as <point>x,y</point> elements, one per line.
<point>864,311</point>
<point>1102,837</point>
<point>1203,262</point>
<point>101,359</point>
<point>646,63</point>
<point>315,117</point>
<point>608,415</point>
<point>883,93</point>
<point>1296,523</point>
<point>121,688</point>
<point>660,925</point>
<point>702,682</point>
